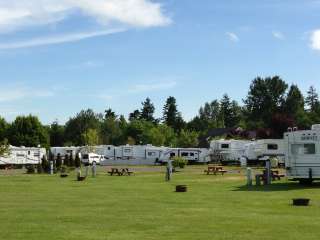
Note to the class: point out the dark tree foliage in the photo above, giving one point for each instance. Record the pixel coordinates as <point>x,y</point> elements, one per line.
<point>135,115</point>
<point>77,128</point>
<point>171,116</point>
<point>28,131</point>
<point>147,111</point>
<point>56,134</point>
<point>3,129</point>
<point>264,99</point>
<point>312,100</point>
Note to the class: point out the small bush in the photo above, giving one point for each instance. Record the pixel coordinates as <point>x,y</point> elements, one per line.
<point>39,169</point>
<point>179,162</point>
<point>64,169</point>
<point>77,161</point>
<point>30,169</point>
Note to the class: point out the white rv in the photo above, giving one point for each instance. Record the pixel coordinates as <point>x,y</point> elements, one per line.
<point>63,151</point>
<point>190,154</point>
<point>227,150</point>
<point>23,156</point>
<point>261,150</point>
<point>108,151</point>
<point>302,149</point>
<point>90,158</point>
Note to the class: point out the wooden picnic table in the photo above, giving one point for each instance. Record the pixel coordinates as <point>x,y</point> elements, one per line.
<point>120,171</point>
<point>214,170</point>
<point>275,175</point>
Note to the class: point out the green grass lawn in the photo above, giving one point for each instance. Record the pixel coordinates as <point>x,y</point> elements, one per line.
<point>144,206</point>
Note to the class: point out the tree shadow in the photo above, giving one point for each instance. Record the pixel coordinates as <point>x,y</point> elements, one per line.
<point>277,186</point>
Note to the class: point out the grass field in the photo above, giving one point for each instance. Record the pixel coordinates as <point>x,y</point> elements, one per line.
<point>144,206</point>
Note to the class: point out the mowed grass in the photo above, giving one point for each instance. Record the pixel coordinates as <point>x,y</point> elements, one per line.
<point>144,206</point>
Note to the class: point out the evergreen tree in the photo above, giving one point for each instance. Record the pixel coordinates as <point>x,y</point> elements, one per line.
<point>135,115</point>
<point>264,99</point>
<point>170,112</point>
<point>147,110</point>
<point>56,134</point>
<point>312,99</point>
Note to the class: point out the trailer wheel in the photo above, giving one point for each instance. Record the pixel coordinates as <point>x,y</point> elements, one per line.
<point>305,181</point>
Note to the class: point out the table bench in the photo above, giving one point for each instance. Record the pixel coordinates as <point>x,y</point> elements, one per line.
<point>214,170</point>
<point>120,172</point>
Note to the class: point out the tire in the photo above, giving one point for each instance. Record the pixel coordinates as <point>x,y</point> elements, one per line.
<point>305,181</point>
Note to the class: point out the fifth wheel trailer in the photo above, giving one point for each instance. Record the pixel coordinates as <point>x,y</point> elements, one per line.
<point>260,150</point>
<point>302,149</point>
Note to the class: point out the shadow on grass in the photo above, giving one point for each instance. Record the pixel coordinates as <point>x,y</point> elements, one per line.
<point>274,187</point>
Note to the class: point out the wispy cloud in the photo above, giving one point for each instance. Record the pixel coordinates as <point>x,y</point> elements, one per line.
<point>15,93</point>
<point>233,37</point>
<point>139,88</point>
<point>278,35</point>
<point>15,14</point>
<point>57,39</point>
<point>315,40</point>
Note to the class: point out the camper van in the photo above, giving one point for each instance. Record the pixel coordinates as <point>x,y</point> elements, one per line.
<point>227,150</point>
<point>261,150</point>
<point>302,150</point>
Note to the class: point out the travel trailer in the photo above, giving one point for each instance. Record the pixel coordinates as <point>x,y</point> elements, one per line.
<point>190,154</point>
<point>302,150</point>
<point>63,151</point>
<point>227,150</point>
<point>23,156</point>
<point>261,150</point>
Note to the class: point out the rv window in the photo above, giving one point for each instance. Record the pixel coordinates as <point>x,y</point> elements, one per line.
<point>191,154</point>
<point>151,153</point>
<point>172,154</point>
<point>300,149</point>
<point>224,145</point>
<point>85,156</point>
<point>28,152</point>
<point>184,154</point>
<point>272,146</point>
<point>109,148</point>
<point>127,150</point>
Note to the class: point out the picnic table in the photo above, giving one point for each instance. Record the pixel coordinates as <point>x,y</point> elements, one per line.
<point>275,175</point>
<point>120,171</point>
<point>215,169</point>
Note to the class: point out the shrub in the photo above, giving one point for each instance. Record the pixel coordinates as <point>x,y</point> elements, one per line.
<point>77,161</point>
<point>45,165</point>
<point>39,169</point>
<point>58,162</point>
<point>64,169</point>
<point>179,162</point>
<point>66,160</point>
<point>30,169</point>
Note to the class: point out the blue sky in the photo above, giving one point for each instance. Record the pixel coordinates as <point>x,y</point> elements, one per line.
<point>60,56</point>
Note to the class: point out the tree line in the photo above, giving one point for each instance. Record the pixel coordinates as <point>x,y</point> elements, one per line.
<point>270,107</point>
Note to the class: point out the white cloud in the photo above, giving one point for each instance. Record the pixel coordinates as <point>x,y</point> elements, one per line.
<point>17,14</point>
<point>315,39</point>
<point>73,37</point>
<point>14,93</point>
<point>278,35</point>
<point>233,37</point>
